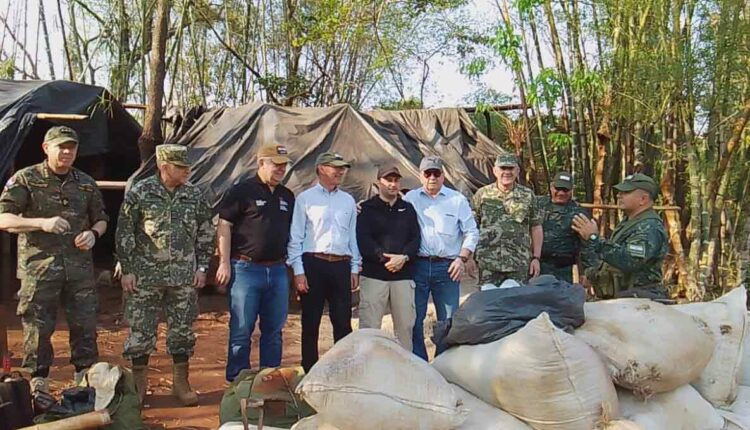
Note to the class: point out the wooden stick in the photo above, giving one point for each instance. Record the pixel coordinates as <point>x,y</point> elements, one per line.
<point>497,108</point>
<point>62,116</point>
<point>134,106</point>
<point>111,185</point>
<point>658,208</point>
<point>91,420</point>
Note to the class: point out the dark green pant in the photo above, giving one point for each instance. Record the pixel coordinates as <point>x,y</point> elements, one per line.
<point>564,273</point>
<point>37,307</point>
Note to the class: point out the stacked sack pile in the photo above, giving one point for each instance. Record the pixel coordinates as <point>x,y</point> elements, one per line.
<point>527,360</point>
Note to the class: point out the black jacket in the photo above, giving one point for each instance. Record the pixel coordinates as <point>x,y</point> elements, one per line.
<point>387,229</point>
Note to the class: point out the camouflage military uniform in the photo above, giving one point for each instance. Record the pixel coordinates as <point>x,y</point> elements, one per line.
<point>52,268</point>
<point>505,220</point>
<point>561,246</point>
<point>631,259</point>
<point>162,238</point>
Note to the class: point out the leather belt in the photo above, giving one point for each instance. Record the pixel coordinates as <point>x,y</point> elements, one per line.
<point>242,257</point>
<point>331,258</point>
<point>432,258</point>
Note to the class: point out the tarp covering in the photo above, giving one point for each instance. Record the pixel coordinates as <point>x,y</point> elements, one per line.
<point>223,143</point>
<point>108,130</point>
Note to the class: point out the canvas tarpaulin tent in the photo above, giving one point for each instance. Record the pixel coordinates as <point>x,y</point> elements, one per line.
<point>108,130</point>
<point>223,143</point>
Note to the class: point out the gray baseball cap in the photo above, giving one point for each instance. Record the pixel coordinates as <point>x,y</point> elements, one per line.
<point>431,162</point>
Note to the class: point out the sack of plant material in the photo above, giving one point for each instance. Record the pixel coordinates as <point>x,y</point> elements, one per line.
<point>726,317</point>
<point>681,409</point>
<point>368,381</point>
<point>487,316</point>
<point>648,347</point>
<point>483,416</point>
<point>540,374</point>
<point>737,414</point>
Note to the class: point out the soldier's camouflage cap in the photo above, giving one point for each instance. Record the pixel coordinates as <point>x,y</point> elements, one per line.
<point>173,154</point>
<point>563,180</point>
<point>60,134</point>
<point>332,159</point>
<point>506,159</point>
<point>638,181</point>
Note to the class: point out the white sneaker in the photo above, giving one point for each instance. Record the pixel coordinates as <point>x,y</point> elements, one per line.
<point>39,383</point>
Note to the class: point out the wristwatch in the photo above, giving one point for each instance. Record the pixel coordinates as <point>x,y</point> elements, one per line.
<point>593,237</point>
<point>202,269</point>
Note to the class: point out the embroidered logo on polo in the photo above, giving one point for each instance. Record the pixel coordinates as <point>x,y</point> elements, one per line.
<point>283,205</point>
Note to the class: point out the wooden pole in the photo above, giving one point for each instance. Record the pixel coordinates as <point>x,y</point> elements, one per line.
<point>91,420</point>
<point>111,185</point>
<point>62,116</point>
<point>134,106</point>
<point>658,208</point>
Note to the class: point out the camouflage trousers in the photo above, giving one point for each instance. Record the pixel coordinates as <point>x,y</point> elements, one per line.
<point>564,273</point>
<point>37,307</point>
<point>497,278</point>
<point>142,309</point>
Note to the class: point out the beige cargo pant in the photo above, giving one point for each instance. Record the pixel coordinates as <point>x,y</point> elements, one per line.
<point>376,296</point>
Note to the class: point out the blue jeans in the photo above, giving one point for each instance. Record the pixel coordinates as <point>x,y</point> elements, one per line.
<point>432,277</point>
<point>256,291</point>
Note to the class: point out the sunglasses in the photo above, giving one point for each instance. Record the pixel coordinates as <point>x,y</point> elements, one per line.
<point>432,173</point>
<point>562,190</point>
<point>507,167</point>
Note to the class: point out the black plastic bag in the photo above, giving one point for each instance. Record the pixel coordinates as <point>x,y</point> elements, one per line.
<point>487,316</point>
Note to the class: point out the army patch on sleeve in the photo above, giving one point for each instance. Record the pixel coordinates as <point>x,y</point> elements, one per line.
<point>637,250</point>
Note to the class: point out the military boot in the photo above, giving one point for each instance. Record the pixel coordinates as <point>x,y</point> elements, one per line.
<point>140,376</point>
<point>180,385</point>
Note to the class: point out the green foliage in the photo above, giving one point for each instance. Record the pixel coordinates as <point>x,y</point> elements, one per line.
<point>409,103</point>
<point>560,140</point>
<point>546,87</point>
<point>507,45</point>
<point>6,69</point>
<point>587,83</point>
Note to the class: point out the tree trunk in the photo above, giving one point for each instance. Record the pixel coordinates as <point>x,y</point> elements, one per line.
<point>43,19</point>
<point>152,133</point>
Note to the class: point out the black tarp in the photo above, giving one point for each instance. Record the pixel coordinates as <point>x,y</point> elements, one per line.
<point>223,143</point>
<point>109,133</point>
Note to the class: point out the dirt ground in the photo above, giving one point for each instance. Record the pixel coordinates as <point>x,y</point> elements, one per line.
<point>206,368</point>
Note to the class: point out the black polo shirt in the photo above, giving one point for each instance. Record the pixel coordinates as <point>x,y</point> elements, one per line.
<point>260,219</point>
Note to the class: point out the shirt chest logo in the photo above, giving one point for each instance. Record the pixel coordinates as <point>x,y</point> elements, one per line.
<point>260,203</point>
<point>283,205</point>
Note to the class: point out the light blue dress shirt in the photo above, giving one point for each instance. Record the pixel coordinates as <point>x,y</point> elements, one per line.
<point>324,222</point>
<point>446,222</point>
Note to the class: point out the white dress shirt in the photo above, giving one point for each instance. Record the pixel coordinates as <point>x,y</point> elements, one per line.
<point>324,222</point>
<point>446,222</point>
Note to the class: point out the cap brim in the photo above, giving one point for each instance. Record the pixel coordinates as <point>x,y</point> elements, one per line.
<point>280,159</point>
<point>391,173</point>
<point>625,187</point>
<point>562,184</point>
<point>424,169</point>
<point>336,163</point>
<point>60,141</point>
<point>506,164</point>
<point>178,163</point>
